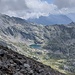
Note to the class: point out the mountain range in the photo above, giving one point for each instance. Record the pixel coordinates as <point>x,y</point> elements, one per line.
<point>56,42</point>
<point>52,19</point>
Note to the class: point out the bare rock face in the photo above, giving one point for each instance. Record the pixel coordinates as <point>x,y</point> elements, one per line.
<point>12,63</point>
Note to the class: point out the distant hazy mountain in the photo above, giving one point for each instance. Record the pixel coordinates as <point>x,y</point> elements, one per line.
<point>71,16</point>
<point>51,19</point>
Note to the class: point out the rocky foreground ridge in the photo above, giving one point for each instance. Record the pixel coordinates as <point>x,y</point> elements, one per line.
<point>12,63</point>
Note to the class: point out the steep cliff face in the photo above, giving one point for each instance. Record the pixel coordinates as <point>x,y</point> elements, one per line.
<point>12,63</point>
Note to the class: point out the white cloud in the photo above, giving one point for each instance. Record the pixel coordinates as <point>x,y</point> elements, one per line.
<point>65,3</point>
<point>12,5</point>
<point>40,8</point>
<point>35,8</point>
<point>65,6</point>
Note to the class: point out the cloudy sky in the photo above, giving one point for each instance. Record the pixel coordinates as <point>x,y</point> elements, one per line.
<point>35,8</point>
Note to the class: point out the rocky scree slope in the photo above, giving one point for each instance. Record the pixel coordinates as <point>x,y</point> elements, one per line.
<point>12,63</point>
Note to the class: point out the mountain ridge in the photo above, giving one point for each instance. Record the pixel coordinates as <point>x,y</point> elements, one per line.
<point>51,19</point>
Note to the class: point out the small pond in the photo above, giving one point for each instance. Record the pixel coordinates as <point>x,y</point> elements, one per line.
<point>35,46</point>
